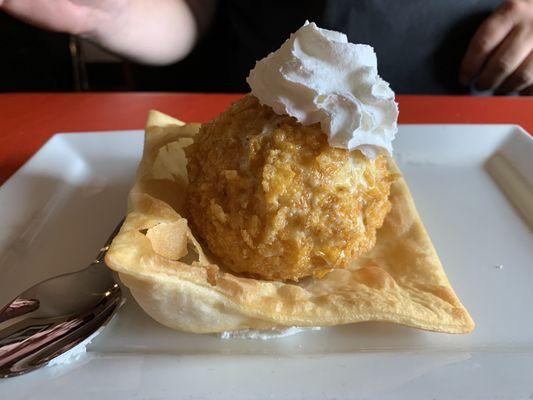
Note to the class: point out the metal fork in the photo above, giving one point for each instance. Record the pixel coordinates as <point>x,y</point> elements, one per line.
<point>55,315</point>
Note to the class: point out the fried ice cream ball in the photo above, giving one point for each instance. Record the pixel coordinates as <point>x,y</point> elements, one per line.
<point>274,201</point>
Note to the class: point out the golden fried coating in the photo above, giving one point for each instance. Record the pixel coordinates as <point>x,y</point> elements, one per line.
<point>273,200</point>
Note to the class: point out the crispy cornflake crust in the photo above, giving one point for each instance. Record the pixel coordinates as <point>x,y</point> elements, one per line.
<point>179,285</point>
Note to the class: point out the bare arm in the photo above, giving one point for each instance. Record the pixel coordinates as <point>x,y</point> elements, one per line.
<point>149,31</point>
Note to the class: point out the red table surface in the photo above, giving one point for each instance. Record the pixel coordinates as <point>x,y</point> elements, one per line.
<point>28,120</point>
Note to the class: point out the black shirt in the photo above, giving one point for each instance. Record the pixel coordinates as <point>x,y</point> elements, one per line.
<point>419,43</point>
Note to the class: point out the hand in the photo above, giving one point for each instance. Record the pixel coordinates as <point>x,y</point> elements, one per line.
<point>500,54</point>
<point>78,17</point>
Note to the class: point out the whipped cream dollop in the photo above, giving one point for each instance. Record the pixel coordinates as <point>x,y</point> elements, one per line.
<point>317,76</point>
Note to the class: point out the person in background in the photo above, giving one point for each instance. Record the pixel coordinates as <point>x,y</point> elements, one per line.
<point>423,46</point>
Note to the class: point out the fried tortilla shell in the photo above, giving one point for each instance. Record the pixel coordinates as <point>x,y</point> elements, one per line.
<point>179,284</point>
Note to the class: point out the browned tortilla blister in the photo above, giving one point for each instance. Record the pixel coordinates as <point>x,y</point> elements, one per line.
<point>169,274</point>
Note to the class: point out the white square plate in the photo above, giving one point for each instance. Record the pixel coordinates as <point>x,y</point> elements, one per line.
<point>59,208</point>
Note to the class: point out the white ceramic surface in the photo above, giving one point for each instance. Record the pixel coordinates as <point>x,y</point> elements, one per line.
<point>60,206</point>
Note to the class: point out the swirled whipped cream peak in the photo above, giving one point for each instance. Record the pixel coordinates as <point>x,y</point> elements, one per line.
<point>317,76</point>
